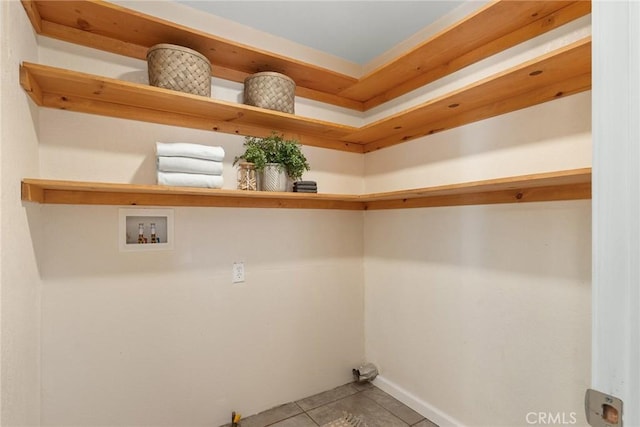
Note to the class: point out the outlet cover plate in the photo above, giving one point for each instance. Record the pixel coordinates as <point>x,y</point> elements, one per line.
<point>237,272</point>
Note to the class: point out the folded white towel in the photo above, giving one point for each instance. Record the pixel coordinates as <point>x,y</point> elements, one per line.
<point>189,180</point>
<point>189,165</point>
<point>185,149</point>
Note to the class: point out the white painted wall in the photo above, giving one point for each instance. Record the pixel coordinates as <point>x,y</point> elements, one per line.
<point>543,138</point>
<point>19,229</point>
<point>165,339</point>
<point>2,61</point>
<point>616,207</point>
<point>168,330</point>
<point>480,315</point>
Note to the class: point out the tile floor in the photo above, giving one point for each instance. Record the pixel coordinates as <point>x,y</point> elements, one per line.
<point>375,407</point>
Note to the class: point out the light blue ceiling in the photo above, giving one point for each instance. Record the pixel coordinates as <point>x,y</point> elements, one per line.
<point>354,30</point>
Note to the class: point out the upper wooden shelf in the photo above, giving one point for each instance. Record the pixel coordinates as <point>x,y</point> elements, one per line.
<point>495,27</point>
<point>563,72</point>
<point>69,90</point>
<point>560,73</point>
<point>563,185</point>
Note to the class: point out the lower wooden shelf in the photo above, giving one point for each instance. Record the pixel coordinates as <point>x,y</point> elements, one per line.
<point>563,185</point>
<point>94,193</point>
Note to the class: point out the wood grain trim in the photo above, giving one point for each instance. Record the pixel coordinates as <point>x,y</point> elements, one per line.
<point>556,74</point>
<point>31,86</point>
<point>119,30</point>
<point>379,95</point>
<point>541,75</point>
<point>143,199</point>
<point>552,92</point>
<point>31,192</point>
<point>69,90</point>
<point>537,194</point>
<point>561,185</point>
<point>116,29</point>
<point>544,179</point>
<point>93,40</point>
<point>33,14</point>
<point>83,105</point>
<point>93,193</point>
<point>328,98</point>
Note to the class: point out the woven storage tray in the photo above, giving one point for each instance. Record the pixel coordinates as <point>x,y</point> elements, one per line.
<point>270,90</point>
<point>179,68</point>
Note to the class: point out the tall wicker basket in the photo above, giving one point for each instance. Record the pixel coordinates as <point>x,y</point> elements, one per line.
<point>179,68</point>
<point>271,90</point>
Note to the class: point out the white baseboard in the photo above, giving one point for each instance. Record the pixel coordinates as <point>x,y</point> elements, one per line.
<point>420,406</point>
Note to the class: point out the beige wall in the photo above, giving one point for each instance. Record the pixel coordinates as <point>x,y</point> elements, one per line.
<point>165,338</point>
<point>19,228</point>
<point>473,314</point>
<point>479,315</point>
<point>544,138</point>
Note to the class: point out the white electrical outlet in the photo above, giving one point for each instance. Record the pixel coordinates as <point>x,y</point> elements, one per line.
<point>237,272</point>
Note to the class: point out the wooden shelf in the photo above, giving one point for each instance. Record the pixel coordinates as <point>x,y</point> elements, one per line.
<point>494,28</point>
<point>93,193</point>
<point>563,185</point>
<point>552,186</point>
<point>68,90</point>
<point>560,73</point>
<point>116,29</point>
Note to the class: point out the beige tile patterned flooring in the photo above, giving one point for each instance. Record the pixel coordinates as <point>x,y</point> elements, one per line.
<point>375,407</point>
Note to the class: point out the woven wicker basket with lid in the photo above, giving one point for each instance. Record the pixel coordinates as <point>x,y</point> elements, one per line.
<point>270,90</point>
<point>179,68</point>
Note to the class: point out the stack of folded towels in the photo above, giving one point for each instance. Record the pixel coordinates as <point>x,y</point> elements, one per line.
<point>305,187</point>
<point>189,165</point>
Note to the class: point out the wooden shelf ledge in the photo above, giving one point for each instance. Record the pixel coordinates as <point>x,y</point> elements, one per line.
<point>562,185</point>
<point>69,90</point>
<point>95,193</point>
<point>560,73</point>
<point>116,29</point>
<point>494,28</point>
<point>572,184</point>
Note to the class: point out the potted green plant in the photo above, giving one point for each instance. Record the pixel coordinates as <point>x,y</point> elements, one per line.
<point>276,158</point>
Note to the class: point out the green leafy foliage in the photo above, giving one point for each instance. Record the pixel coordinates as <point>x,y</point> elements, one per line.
<point>275,149</point>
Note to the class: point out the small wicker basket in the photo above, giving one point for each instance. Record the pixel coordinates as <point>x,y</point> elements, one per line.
<point>179,68</point>
<point>270,90</point>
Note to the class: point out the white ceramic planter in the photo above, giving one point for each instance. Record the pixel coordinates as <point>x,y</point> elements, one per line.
<point>273,179</point>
